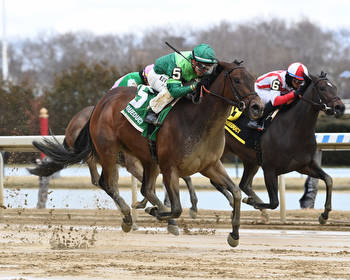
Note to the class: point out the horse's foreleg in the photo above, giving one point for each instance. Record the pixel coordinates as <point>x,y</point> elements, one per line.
<point>314,170</point>
<point>171,182</point>
<point>108,182</point>
<point>271,183</point>
<point>150,174</point>
<point>217,174</point>
<point>193,196</point>
<point>91,162</point>
<point>148,190</point>
<point>250,169</point>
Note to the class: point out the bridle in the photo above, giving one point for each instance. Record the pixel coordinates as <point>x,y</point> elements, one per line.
<point>321,105</point>
<point>239,102</point>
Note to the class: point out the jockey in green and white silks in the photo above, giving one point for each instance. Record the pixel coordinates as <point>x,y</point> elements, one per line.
<point>134,79</point>
<point>172,70</point>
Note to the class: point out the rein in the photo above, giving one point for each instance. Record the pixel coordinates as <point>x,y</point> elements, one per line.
<point>322,105</point>
<point>240,104</point>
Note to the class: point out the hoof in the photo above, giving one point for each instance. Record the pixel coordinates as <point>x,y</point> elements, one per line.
<point>173,229</point>
<point>126,227</point>
<point>322,220</point>
<point>153,211</point>
<point>265,217</point>
<point>193,213</point>
<point>134,227</point>
<point>231,241</point>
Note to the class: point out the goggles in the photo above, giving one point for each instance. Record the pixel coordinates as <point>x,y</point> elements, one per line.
<point>205,68</point>
<point>298,82</point>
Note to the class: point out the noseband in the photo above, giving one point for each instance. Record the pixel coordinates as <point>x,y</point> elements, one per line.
<point>239,98</point>
<point>321,105</point>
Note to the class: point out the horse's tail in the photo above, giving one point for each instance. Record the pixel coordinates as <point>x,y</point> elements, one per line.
<point>60,156</point>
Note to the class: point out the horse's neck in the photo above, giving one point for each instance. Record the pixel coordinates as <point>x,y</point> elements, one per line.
<point>302,118</point>
<point>206,118</point>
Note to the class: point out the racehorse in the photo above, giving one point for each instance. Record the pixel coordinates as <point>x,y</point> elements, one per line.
<point>289,144</point>
<point>191,140</point>
<point>132,164</point>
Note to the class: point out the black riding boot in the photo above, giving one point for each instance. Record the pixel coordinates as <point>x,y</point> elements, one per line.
<point>151,118</point>
<point>256,124</point>
<point>259,124</point>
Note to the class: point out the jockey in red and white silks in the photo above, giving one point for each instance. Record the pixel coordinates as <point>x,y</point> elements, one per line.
<point>279,86</point>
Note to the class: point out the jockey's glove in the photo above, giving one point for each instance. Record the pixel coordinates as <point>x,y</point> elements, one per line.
<point>194,86</point>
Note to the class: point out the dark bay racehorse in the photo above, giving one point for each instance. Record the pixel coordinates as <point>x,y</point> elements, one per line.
<point>191,140</point>
<point>131,163</point>
<point>289,144</point>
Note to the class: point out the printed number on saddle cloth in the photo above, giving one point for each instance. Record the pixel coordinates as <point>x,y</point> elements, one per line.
<point>138,103</point>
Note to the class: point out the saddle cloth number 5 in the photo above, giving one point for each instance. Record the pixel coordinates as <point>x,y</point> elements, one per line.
<point>140,98</point>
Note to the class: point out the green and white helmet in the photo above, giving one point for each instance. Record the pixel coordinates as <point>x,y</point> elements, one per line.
<point>204,53</point>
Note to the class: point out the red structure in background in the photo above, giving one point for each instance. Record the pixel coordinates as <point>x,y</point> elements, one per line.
<point>44,125</point>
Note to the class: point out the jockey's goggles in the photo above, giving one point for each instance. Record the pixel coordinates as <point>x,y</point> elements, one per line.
<point>298,82</point>
<point>205,68</point>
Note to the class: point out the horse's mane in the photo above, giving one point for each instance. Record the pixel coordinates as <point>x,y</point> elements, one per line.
<point>207,80</point>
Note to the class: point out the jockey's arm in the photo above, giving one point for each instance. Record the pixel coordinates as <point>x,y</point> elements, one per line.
<point>283,99</point>
<point>176,88</point>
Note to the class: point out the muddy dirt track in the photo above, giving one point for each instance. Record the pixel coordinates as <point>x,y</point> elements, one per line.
<point>88,244</point>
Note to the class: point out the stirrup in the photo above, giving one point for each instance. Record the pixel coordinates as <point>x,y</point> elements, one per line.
<point>152,118</point>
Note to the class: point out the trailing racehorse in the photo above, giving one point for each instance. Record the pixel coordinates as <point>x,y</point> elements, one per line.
<point>132,164</point>
<point>191,140</point>
<point>289,144</point>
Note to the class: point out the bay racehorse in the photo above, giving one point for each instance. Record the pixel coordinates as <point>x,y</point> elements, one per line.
<point>131,163</point>
<point>289,144</point>
<point>191,140</point>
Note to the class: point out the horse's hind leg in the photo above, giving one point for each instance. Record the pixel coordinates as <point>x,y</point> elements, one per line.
<point>218,175</point>
<point>314,170</point>
<point>108,182</point>
<point>250,169</point>
<point>91,162</point>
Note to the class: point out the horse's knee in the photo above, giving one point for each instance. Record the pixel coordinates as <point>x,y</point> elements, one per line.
<point>328,181</point>
<point>237,194</point>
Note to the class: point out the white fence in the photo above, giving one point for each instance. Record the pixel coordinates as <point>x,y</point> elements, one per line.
<point>325,142</point>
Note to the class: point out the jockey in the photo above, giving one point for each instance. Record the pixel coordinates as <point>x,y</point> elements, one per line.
<point>277,88</point>
<point>172,70</point>
<point>134,79</point>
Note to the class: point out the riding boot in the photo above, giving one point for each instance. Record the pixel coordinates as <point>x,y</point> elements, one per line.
<point>151,118</point>
<point>256,124</point>
<point>260,123</point>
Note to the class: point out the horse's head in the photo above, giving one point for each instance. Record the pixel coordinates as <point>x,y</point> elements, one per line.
<point>324,96</point>
<point>237,85</point>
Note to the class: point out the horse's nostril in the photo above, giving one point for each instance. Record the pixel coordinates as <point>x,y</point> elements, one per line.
<point>339,108</point>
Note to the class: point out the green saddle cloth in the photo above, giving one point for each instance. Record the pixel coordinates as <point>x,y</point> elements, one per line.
<point>136,110</point>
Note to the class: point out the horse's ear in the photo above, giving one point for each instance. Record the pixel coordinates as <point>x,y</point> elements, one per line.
<point>238,62</point>
<point>323,75</point>
<point>218,69</point>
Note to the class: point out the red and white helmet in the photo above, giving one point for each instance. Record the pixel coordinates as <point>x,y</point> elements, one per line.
<point>297,70</point>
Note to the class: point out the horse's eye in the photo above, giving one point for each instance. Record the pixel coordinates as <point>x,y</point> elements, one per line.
<point>236,80</point>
